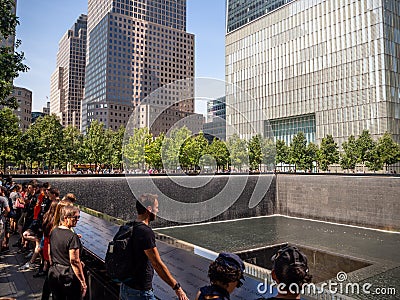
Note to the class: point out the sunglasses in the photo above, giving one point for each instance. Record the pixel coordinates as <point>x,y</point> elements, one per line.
<point>75,217</point>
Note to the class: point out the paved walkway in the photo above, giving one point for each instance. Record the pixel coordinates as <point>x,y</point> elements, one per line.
<point>16,284</point>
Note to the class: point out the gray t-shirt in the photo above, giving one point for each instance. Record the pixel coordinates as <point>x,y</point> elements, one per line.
<point>3,205</point>
<point>14,196</point>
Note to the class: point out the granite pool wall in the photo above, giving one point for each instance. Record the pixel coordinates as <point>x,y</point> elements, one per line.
<point>112,195</point>
<point>370,201</point>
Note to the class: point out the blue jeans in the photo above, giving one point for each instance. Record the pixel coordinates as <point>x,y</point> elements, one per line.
<point>127,293</point>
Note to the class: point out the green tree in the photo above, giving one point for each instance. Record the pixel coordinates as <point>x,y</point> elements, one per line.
<point>153,152</point>
<point>134,150</point>
<point>374,160</point>
<point>328,153</point>
<point>10,136</point>
<point>117,141</point>
<point>255,153</point>
<point>237,148</point>
<point>218,150</point>
<point>349,156</point>
<point>72,145</point>
<point>298,151</point>
<point>48,135</point>
<point>268,151</point>
<point>94,143</point>
<point>107,156</point>
<point>311,156</point>
<point>30,147</point>
<point>172,147</point>
<point>365,144</point>
<point>388,149</point>
<point>192,150</point>
<point>282,152</point>
<point>10,61</point>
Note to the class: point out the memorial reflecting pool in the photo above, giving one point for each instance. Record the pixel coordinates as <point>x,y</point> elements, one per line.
<point>373,254</point>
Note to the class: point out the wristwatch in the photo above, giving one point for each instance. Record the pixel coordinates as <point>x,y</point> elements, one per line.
<point>176,286</point>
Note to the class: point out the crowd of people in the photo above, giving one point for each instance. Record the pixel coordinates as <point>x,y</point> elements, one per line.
<point>45,225</point>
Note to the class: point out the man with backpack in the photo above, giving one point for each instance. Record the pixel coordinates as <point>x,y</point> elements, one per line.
<point>145,257</point>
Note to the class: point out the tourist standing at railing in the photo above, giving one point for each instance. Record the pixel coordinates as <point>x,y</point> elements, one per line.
<point>66,278</point>
<point>226,274</point>
<point>146,257</point>
<point>33,232</point>
<point>16,199</point>
<point>4,210</point>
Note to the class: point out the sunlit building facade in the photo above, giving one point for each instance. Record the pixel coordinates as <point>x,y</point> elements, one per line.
<point>24,110</point>
<point>68,80</point>
<point>317,66</point>
<point>134,48</point>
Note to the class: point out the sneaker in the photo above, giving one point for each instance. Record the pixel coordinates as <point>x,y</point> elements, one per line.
<point>29,255</point>
<point>26,266</point>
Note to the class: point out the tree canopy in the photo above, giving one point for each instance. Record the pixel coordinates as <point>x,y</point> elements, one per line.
<point>11,62</point>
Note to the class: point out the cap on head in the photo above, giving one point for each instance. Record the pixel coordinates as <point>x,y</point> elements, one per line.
<point>230,260</point>
<point>291,256</point>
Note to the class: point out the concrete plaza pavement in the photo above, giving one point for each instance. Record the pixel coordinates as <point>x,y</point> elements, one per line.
<point>16,284</point>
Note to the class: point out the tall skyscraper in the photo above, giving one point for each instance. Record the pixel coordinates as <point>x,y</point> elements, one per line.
<point>24,110</point>
<point>241,12</point>
<point>68,80</point>
<point>134,47</point>
<point>216,119</point>
<point>317,66</point>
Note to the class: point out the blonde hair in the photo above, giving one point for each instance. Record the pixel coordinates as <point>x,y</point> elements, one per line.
<point>57,214</point>
<point>71,197</point>
<point>67,211</point>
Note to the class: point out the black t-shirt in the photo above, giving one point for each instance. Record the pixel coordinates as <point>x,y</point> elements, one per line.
<point>29,210</point>
<point>214,292</point>
<point>61,241</point>
<point>44,208</point>
<point>143,238</point>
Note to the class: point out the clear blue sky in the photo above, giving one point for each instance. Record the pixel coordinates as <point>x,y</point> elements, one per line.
<point>44,22</point>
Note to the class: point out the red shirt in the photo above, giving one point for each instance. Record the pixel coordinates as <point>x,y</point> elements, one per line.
<point>38,206</point>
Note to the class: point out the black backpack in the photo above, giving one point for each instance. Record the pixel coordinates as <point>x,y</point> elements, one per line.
<point>119,257</point>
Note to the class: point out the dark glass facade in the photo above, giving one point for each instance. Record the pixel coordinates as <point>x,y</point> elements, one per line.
<point>241,12</point>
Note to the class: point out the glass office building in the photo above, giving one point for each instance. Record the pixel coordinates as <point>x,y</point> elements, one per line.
<point>241,12</point>
<point>317,66</point>
<point>134,47</point>
<point>215,125</point>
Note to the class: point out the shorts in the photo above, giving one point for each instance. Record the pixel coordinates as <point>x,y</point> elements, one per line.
<point>33,234</point>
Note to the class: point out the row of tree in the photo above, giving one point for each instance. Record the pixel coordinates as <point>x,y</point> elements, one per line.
<point>363,150</point>
<point>46,144</point>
